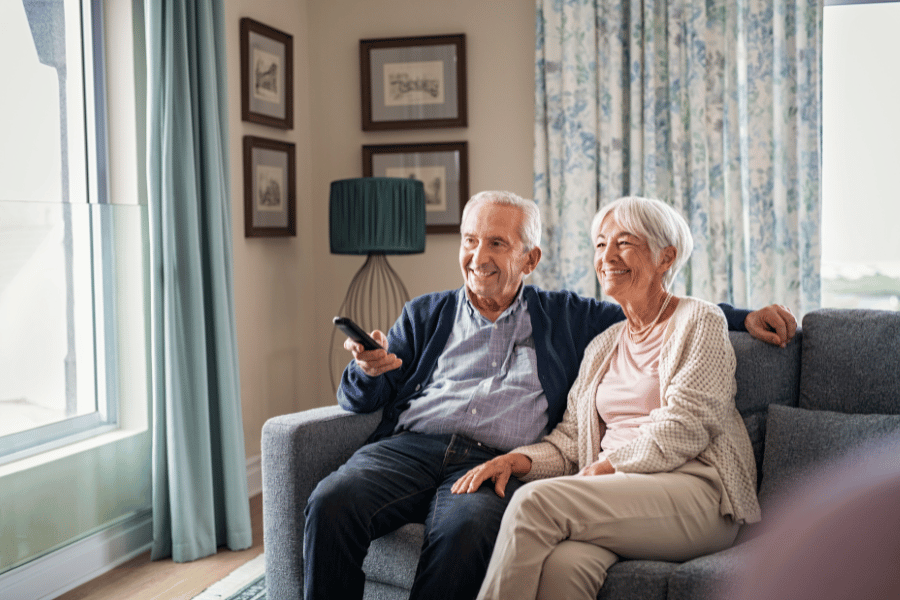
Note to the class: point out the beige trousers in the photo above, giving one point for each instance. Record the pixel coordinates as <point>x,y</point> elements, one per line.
<point>559,536</point>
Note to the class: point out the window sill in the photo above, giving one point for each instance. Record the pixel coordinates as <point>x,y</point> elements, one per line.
<point>49,456</point>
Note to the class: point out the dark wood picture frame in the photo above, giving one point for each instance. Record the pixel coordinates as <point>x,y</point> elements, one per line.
<point>413,83</point>
<point>270,186</point>
<point>442,167</point>
<point>267,75</point>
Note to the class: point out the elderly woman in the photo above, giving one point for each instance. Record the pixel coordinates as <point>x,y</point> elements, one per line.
<point>651,459</point>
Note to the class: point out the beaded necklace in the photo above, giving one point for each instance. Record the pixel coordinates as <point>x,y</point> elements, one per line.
<point>639,335</point>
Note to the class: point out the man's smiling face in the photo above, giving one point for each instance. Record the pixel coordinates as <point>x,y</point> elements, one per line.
<point>492,255</point>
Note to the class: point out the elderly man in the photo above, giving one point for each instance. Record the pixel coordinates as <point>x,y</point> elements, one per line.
<point>468,374</point>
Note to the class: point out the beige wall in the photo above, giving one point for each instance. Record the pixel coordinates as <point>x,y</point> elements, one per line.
<point>271,300</point>
<point>288,290</point>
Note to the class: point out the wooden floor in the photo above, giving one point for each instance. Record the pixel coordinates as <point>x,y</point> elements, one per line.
<point>143,579</point>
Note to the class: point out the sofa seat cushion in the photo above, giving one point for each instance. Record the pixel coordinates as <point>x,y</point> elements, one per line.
<point>382,591</point>
<point>637,579</point>
<point>800,442</point>
<point>706,577</point>
<point>393,558</point>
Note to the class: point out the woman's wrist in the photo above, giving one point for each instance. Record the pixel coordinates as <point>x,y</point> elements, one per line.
<point>521,464</point>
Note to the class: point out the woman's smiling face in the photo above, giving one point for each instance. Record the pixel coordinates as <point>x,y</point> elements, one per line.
<point>624,263</point>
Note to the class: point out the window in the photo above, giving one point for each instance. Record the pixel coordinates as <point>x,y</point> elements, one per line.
<point>861,150</point>
<point>56,320</point>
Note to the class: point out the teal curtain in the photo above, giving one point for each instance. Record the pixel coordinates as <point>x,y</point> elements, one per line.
<point>711,105</point>
<point>199,466</point>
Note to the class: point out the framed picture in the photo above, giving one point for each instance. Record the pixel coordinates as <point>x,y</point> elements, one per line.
<point>267,75</point>
<point>270,183</point>
<point>443,168</point>
<point>413,83</point>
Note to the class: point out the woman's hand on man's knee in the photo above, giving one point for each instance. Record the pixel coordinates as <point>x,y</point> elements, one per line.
<point>498,470</point>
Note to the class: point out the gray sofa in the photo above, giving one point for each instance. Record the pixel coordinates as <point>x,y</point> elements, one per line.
<point>831,391</point>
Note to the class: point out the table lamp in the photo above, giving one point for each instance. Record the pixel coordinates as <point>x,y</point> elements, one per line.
<point>375,216</point>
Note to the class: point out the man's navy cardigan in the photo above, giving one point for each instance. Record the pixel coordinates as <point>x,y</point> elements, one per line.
<point>563,323</point>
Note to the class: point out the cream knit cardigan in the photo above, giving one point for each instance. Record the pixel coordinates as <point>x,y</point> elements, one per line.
<point>697,417</point>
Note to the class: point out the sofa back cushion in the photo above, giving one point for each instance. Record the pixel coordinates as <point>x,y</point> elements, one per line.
<point>765,375</point>
<point>851,361</point>
<point>802,443</point>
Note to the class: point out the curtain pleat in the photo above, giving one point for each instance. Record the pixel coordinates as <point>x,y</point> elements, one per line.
<point>713,106</point>
<point>199,465</point>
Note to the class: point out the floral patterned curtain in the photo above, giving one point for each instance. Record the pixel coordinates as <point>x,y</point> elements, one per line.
<point>711,105</point>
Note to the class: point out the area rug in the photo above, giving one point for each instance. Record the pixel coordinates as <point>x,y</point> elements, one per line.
<point>247,582</point>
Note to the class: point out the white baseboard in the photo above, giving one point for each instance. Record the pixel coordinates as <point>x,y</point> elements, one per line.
<point>56,573</point>
<point>254,475</point>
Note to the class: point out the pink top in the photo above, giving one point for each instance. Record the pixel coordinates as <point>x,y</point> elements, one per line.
<point>630,388</point>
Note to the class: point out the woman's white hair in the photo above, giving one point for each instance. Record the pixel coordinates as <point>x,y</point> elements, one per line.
<point>531,224</point>
<point>655,221</point>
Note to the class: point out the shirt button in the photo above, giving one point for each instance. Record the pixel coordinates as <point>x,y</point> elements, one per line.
<point>474,411</point>
<point>418,387</point>
<point>494,364</point>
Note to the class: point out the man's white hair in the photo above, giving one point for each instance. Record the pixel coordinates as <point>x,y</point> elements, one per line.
<point>530,232</point>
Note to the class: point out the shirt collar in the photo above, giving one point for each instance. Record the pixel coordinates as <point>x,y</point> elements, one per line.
<point>517,303</point>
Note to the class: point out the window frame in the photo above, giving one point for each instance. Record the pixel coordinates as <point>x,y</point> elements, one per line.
<point>852,284</point>
<point>105,417</point>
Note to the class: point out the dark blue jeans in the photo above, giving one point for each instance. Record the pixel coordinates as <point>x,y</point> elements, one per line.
<point>384,485</point>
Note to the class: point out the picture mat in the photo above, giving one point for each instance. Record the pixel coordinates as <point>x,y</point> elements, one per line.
<point>267,162</point>
<point>422,162</point>
<point>434,179</point>
<point>414,83</point>
<point>269,177</point>
<point>271,48</point>
<point>392,60</point>
<point>265,88</point>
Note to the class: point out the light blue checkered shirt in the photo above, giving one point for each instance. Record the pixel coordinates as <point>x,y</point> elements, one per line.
<point>485,384</point>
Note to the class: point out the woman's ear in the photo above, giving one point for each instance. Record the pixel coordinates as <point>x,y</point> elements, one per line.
<point>667,258</point>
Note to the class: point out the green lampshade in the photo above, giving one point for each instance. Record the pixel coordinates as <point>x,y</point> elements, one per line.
<point>377,214</point>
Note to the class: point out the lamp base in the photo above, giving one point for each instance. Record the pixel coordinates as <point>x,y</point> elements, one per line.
<point>374,300</point>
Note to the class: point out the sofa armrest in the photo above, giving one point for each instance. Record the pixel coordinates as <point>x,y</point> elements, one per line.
<point>298,451</point>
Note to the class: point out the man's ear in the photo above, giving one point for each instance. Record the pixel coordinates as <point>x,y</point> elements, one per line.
<point>534,257</point>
